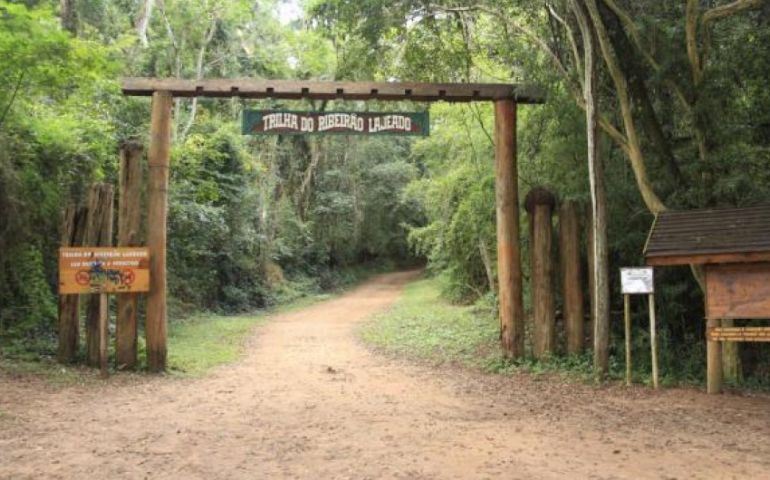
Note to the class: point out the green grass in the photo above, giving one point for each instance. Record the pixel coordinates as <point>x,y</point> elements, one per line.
<point>425,326</point>
<point>422,325</point>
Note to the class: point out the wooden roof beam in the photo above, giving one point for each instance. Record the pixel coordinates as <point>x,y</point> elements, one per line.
<point>297,89</point>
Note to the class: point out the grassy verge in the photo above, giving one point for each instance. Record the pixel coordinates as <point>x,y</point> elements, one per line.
<point>196,343</point>
<point>424,326</point>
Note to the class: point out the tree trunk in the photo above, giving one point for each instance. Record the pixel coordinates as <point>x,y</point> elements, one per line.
<point>487,262</point>
<point>143,21</point>
<point>69,16</point>
<point>601,293</point>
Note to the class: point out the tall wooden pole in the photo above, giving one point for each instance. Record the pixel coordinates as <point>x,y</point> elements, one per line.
<point>72,230</point>
<point>129,220</point>
<point>713,359</point>
<point>157,200</point>
<point>98,234</point>
<point>539,204</point>
<point>569,247</point>
<point>507,209</point>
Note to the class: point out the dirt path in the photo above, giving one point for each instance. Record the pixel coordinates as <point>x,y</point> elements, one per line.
<point>308,401</point>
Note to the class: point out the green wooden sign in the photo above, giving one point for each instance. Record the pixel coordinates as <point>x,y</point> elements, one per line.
<point>271,122</point>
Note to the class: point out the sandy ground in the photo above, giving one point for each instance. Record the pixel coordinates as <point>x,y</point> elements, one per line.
<point>308,401</point>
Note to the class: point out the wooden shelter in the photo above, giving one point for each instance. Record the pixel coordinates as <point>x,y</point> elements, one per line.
<point>505,98</point>
<point>732,245</point>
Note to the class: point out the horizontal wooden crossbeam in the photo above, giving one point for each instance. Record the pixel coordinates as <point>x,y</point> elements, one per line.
<point>739,334</point>
<point>314,90</point>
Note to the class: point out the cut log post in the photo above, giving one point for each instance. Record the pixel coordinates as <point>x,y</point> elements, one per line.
<point>540,204</point>
<point>572,288</point>
<point>157,200</point>
<point>98,234</point>
<point>508,251</point>
<point>713,360</point>
<point>129,224</point>
<point>72,231</point>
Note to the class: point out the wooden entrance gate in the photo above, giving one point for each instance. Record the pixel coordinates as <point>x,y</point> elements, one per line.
<point>504,96</point>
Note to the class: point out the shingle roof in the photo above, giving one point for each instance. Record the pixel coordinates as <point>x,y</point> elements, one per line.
<point>710,231</point>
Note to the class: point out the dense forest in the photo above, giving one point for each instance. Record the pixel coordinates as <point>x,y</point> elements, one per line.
<point>683,114</point>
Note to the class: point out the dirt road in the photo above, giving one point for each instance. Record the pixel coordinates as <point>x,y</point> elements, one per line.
<point>308,401</point>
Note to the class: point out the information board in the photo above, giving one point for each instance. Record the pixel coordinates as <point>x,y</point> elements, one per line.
<point>270,122</point>
<point>104,270</point>
<point>637,280</point>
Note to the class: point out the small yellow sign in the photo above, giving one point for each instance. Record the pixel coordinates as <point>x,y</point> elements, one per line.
<point>104,270</point>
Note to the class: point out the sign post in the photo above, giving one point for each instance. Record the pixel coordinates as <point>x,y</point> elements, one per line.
<point>103,270</point>
<point>639,281</point>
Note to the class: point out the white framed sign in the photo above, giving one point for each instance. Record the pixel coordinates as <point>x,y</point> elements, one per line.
<point>636,280</point>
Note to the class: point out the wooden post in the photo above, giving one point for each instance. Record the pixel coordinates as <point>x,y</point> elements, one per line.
<point>507,210</point>
<point>713,360</point>
<point>731,358</point>
<point>627,322</point>
<point>129,220</point>
<point>98,234</point>
<point>569,246</point>
<point>157,200</point>
<point>539,204</point>
<point>72,230</point>
<point>653,341</point>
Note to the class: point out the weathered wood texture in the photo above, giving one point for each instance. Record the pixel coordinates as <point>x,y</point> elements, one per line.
<point>539,204</point>
<point>713,359</point>
<point>738,334</point>
<point>98,233</point>
<point>129,226</point>
<point>157,203</point>
<point>72,231</point>
<point>571,279</point>
<point>718,235</point>
<point>736,291</point>
<point>315,90</point>
<point>731,354</point>
<point>710,258</point>
<point>508,251</point>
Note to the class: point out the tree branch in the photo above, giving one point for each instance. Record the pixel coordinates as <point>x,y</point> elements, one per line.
<point>723,11</point>
<point>691,32</point>
<point>13,97</point>
<point>651,199</point>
